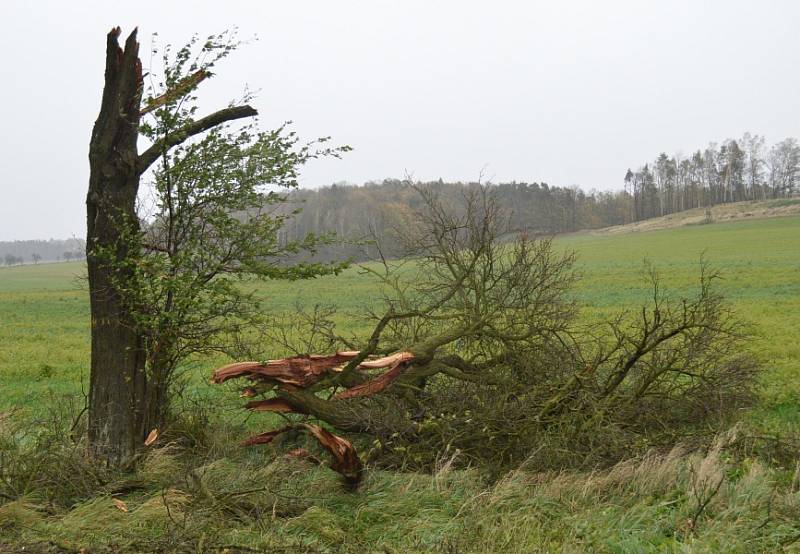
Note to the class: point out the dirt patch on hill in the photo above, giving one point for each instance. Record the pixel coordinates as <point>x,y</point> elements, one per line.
<point>699,216</point>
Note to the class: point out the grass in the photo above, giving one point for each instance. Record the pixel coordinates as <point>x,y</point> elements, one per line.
<point>245,501</point>
<point>643,505</point>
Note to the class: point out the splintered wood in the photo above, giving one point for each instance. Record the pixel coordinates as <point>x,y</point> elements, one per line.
<point>276,405</point>
<point>375,385</point>
<point>345,460</point>
<point>302,372</point>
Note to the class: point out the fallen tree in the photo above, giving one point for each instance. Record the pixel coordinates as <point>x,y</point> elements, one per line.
<point>481,355</point>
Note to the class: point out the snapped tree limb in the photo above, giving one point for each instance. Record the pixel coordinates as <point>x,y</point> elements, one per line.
<point>183,87</point>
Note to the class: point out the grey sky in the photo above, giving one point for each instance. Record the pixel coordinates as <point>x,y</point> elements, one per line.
<point>564,92</point>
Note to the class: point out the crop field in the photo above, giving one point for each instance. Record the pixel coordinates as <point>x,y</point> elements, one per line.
<point>44,353</point>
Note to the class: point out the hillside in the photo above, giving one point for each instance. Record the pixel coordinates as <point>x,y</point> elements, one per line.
<point>700,216</point>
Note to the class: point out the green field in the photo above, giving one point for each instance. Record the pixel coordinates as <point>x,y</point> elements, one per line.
<point>44,349</point>
<point>44,313</point>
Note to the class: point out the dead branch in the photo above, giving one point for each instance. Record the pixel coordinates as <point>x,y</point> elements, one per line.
<point>487,351</point>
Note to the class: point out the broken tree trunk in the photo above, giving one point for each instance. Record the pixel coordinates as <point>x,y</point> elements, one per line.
<point>117,379</point>
<point>122,408</point>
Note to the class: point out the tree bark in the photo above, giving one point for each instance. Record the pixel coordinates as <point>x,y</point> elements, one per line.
<point>123,406</point>
<point>117,380</point>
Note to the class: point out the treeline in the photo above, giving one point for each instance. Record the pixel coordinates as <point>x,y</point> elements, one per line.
<point>379,210</point>
<point>35,251</point>
<point>731,171</point>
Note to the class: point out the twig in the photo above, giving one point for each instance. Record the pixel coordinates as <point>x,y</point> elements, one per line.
<point>704,503</point>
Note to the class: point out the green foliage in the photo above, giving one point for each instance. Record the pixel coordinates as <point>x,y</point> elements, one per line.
<point>211,219</point>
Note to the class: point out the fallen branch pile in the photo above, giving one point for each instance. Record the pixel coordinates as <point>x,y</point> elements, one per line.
<point>490,360</point>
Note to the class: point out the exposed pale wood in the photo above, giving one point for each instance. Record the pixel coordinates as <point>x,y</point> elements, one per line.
<point>376,385</point>
<point>277,405</point>
<point>300,371</point>
<point>181,89</point>
<point>345,459</point>
<point>388,360</point>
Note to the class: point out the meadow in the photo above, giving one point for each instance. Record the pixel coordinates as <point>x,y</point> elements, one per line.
<point>44,312</point>
<point>646,504</point>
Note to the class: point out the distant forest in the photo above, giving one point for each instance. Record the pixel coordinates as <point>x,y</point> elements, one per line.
<point>34,251</point>
<point>729,171</point>
<point>732,171</point>
<point>377,210</point>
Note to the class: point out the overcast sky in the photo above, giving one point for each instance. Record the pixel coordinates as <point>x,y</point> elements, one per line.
<point>571,93</point>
